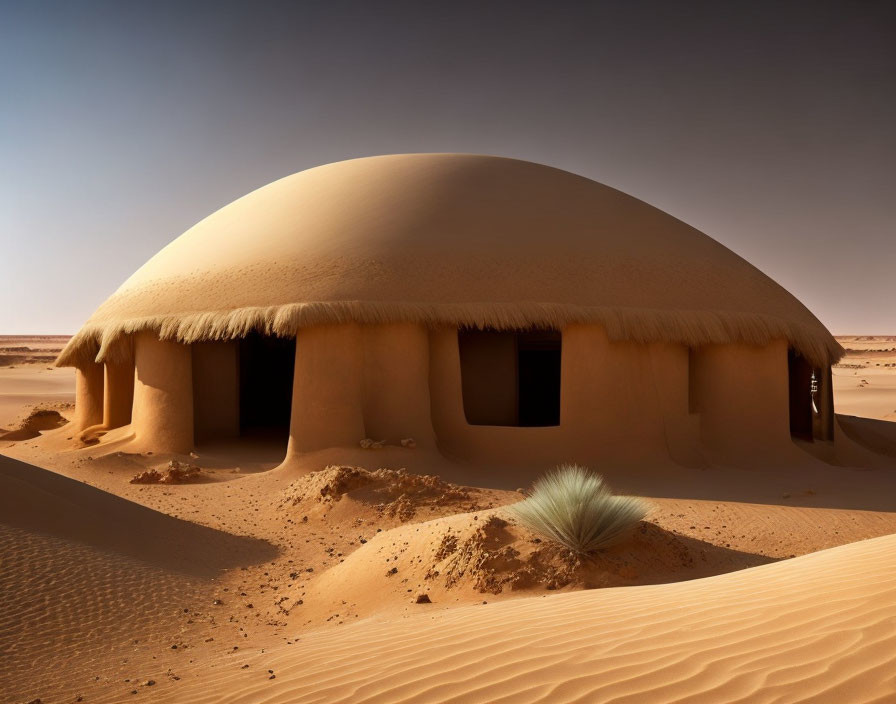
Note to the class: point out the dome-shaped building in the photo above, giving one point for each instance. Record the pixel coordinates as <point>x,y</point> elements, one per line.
<point>491,309</point>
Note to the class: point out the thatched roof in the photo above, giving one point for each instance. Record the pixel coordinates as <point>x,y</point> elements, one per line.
<point>449,239</point>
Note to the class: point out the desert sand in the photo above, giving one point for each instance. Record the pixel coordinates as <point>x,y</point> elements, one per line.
<point>815,628</point>
<point>244,583</point>
<point>29,378</point>
<point>865,380</point>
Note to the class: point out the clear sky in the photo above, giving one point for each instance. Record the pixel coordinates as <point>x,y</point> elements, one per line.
<point>771,126</point>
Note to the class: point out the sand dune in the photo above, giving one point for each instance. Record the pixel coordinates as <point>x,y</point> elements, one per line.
<point>818,628</point>
<point>90,580</point>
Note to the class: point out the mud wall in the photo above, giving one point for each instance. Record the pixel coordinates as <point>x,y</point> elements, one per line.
<point>354,382</point>
<point>89,401</point>
<point>622,402</point>
<point>163,395</point>
<point>742,395</point>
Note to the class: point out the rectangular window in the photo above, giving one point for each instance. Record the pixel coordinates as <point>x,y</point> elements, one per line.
<point>511,378</point>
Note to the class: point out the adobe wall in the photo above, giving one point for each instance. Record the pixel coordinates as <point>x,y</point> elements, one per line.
<point>327,406</point>
<point>619,402</point>
<point>163,395</point>
<point>395,384</point>
<point>354,382</point>
<point>742,396</point>
<point>89,382</point>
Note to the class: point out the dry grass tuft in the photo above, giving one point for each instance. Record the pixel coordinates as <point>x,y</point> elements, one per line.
<point>573,507</point>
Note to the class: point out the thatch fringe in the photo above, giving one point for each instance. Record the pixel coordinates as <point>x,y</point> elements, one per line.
<point>106,341</point>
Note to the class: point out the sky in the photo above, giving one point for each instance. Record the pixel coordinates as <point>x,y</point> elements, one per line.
<point>771,126</point>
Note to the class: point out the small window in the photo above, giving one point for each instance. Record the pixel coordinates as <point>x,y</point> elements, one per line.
<point>511,378</point>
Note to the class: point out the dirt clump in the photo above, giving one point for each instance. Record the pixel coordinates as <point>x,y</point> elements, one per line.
<point>484,557</point>
<point>493,558</point>
<point>175,473</point>
<point>395,493</point>
<point>499,555</point>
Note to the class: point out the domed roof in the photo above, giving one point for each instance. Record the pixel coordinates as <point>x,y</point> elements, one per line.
<point>449,239</point>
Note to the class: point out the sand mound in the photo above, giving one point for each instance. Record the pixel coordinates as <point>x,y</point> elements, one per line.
<point>394,493</point>
<point>460,558</point>
<point>819,628</point>
<point>38,420</point>
<point>175,473</point>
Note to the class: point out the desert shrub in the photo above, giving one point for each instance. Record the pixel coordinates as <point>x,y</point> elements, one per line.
<point>572,506</point>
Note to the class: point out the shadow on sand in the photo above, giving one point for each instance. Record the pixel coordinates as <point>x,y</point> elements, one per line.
<point>39,500</point>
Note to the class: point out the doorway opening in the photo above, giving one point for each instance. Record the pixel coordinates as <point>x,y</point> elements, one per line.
<point>800,376</point>
<point>266,368</point>
<point>511,378</point>
<point>538,355</point>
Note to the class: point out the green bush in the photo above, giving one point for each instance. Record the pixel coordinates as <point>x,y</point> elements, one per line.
<point>573,507</point>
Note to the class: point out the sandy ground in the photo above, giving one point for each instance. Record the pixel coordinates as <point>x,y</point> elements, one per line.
<point>28,377</point>
<point>254,584</point>
<point>818,628</point>
<point>865,380</point>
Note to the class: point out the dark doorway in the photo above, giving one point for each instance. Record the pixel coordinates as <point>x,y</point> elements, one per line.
<point>800,381</point>
<point>510,378</point>
<point>538,355</point>
<point>266,372</point>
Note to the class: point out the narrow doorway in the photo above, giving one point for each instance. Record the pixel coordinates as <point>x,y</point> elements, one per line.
<point>266,367</point>
<point>538,355</point>
<point>800,383</point>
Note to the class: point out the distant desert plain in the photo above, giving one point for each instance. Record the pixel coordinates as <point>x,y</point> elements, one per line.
<point>216,578</point>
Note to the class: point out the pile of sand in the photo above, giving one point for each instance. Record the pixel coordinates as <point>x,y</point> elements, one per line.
<point>175,473</point>
<point>491,559</point>
<point>461,557</point>
<point>494,555</point>
<point>394,493</point>
<point>35,422</point>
